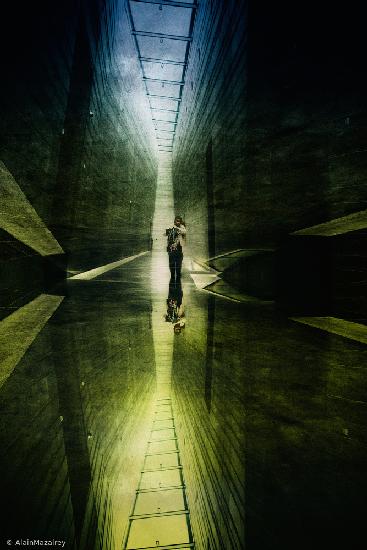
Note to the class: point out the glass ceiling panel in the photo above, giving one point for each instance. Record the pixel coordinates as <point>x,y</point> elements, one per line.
<point>167,20</point>
<point>164,115</point>
<point>163,135</point>
<point>160,103</point>
<point>162,48</point>
<point>162,88</point>
<point>162,424</point>
<point>164,125</point>
<point>165,71</point>
<point>162,416</point>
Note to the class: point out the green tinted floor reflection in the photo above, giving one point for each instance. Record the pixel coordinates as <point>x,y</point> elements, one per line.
<point>270,417</point>
<point>160,516</point>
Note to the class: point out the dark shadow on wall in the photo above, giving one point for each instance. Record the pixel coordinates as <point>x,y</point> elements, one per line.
<point>323,276</point>
<point>349,275</point>
<point>303,276</point>
<point>209,358</point>
<point>210,199</point>
<point>306,275</point>
<point>253,274</point>
<point>67,189</point>
<point>71,408</point>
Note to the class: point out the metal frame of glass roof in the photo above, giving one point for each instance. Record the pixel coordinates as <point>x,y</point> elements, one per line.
<point>166,61</point>
<point>165,97</point>
<point>178,82</point>
<point>164,110</point>
<point>173,3</point>
<point>161,34</point>
<point>187,23</point>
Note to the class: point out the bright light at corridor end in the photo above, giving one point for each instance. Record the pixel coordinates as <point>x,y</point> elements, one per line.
<point>163,35</point>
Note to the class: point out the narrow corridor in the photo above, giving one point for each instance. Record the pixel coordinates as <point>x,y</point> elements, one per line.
<point>223,407</point>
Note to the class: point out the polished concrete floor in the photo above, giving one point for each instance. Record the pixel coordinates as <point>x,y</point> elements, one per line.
<point>268,426</point>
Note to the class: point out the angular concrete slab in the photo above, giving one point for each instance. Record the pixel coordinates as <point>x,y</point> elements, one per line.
<point>347,329</point>
<point>19,218</point>
<point>338,226</point>
<point>19,330</point>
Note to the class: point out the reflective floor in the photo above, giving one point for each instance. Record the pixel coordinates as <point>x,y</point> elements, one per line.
<point>263,421</point>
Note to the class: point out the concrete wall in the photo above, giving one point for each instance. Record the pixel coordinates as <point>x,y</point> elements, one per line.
<point>281,97</point>
<point>105,376</point>
<point>272,128</point>
<point>74,134</point>
<point>208,169</point>
<point>212,432</point>
<point>73,451</point>
<point>37,485</point>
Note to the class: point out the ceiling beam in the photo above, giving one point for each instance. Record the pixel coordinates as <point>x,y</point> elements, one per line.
<point>161,35</point>
<point>175,82</point>
<point>174,3</point>
<point>160,120</point>
<point>162,61</point>
<point>164,110</point>
<point>165,97</point>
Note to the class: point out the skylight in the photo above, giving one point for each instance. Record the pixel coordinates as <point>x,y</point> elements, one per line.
<point>163,32</point>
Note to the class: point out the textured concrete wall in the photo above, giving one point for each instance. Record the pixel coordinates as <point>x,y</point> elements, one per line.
<point>34,94</point>
<point>281,98</point>
<point>208,382</point>
<point>74,453</point>
<point>73,131</point>
<point>306,118</point>
<point>37,484</point>
<point>104,386</point>
<point>271,139</point>
<point>208,164</point>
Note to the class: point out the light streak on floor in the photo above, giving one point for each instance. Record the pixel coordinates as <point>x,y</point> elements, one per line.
<point>92,273</point>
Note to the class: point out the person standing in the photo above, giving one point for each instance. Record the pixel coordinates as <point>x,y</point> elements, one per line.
<point>175,239</point>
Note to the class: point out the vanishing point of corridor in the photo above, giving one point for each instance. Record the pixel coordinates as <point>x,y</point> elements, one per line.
<point>183,320</point>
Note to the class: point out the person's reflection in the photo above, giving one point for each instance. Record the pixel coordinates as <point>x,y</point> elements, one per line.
<point>175,310</point>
